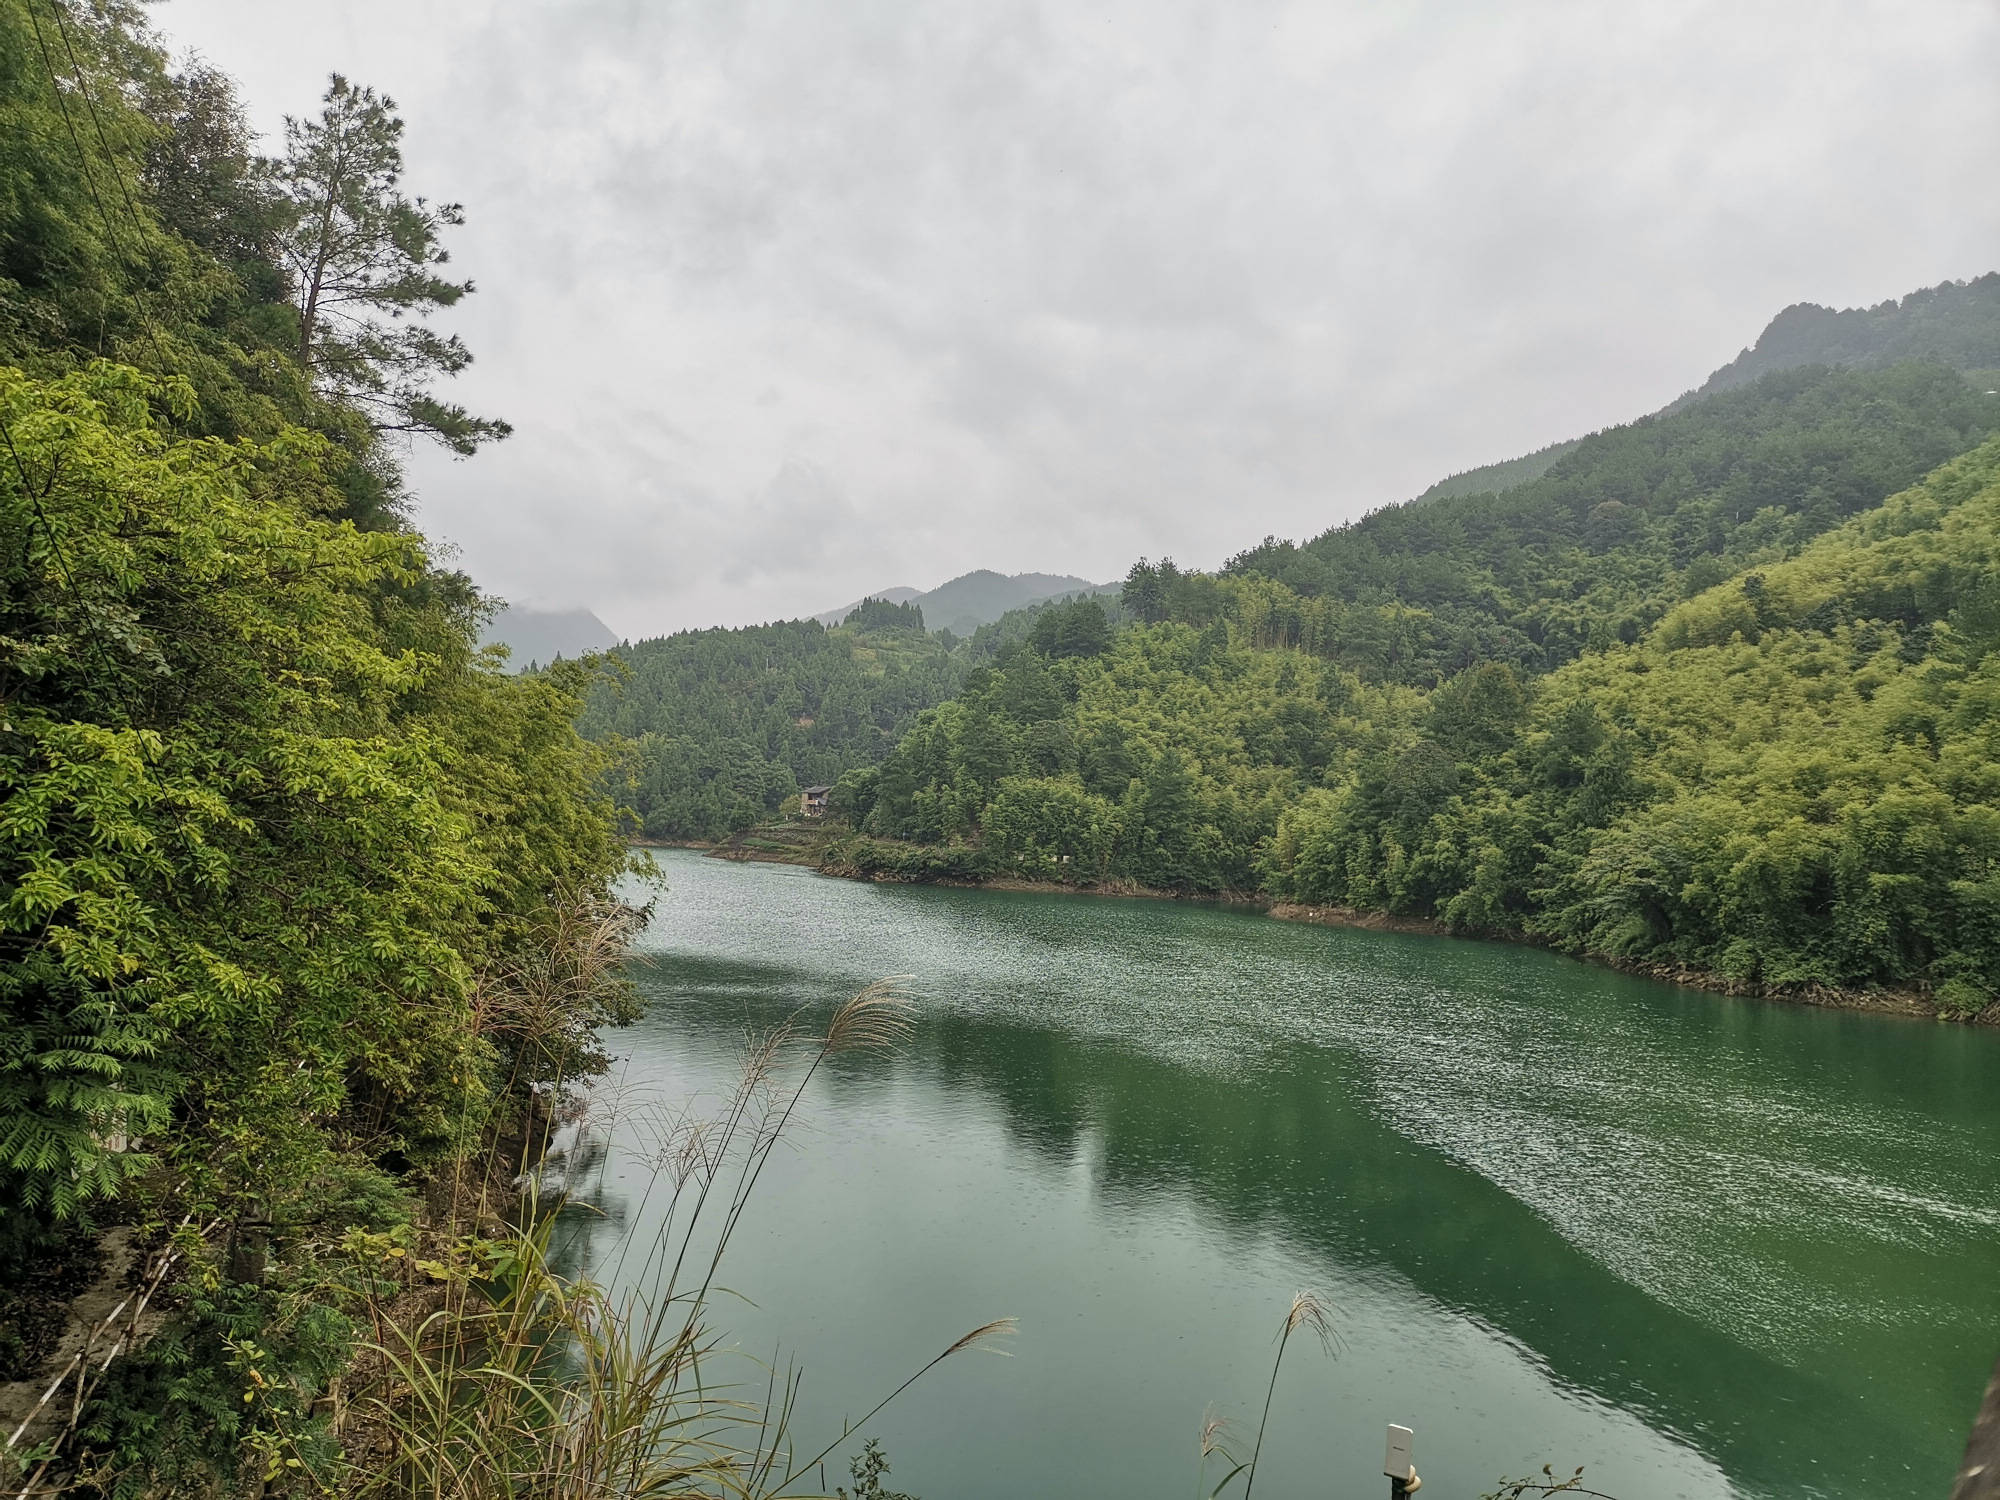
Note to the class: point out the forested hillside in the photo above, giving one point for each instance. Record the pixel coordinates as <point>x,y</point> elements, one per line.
<point>963,604</point>
<point>1496,479</point>
<point>1696,697</point>
<point>1956,323</point>
<point>1619,528</point>
<point>279,852</point>
<point>717,728</point>
<point>1794,779</point>
<point>724,725</point>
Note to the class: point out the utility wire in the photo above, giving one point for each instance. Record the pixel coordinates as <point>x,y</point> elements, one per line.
<point>117,244</point>
<point>97,122</point>
<point>149,322</point>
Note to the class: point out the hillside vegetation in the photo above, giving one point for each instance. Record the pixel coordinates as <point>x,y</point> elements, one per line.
<point>1714,694</point>
<point>1620,528</point>
<point>963,604</point>
<point>715,729</point>
<point>723,725</point>
<point>1956,323</point>
<point>1497,479</point>
<point>1530,563</point>
<point>282,855</point>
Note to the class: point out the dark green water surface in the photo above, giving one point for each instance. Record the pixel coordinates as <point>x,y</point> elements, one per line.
<point>1702,1246</point>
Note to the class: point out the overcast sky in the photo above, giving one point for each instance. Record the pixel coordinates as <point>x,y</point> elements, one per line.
<point>792,299</point>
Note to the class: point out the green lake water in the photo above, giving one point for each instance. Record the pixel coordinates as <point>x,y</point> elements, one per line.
<point>1702,1246</point>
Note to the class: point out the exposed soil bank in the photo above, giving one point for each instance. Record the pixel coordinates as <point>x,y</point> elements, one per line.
<point>734,849</point>
<point>1348,916</point>
<point>1877,998</point>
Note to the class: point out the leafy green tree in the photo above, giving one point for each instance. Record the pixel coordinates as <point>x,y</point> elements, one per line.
<point>1073,629</point>
<point>364,261</point>
<point>1051,828</point>
<point>1478,712</point>
<point>880,614</point>
<point>203,180</point>
<point>265,817</point>
<point>1145,592</point>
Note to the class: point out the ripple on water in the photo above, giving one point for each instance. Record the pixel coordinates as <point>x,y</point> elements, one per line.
<point>1815,1187</point>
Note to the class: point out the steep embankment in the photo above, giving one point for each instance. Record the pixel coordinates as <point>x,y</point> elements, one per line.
<point>300,901</point>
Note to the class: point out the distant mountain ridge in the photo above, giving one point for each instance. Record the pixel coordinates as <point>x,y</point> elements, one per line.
<point>977,598</point>
<point>1494,479</point>
<point>535,637</point>
<point>1955,323</point>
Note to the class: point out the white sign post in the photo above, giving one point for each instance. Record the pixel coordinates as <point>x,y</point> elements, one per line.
<point>1396,1463</point>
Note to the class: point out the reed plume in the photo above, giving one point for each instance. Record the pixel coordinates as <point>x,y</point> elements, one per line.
<point>509,1378</point>
<point>1307,1311</point>
<point>874,1020</point>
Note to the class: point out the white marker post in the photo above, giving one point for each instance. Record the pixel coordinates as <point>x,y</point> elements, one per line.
<point>1396,1463</point>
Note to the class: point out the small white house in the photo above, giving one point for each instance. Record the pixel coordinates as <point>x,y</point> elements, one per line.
<point>812,801</point>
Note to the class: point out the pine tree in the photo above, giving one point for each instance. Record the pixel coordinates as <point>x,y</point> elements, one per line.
<point>364,259</point>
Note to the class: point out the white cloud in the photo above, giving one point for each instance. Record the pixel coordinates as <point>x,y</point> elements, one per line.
<point>1029,285</point>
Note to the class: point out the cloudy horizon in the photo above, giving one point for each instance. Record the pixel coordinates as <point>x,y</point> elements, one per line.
<point>791,303</point>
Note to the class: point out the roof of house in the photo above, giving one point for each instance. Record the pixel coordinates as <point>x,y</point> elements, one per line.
<point>817,791</point>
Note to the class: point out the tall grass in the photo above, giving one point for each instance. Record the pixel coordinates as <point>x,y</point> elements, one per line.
<point>493,1374</point>
<point>490,1370</point>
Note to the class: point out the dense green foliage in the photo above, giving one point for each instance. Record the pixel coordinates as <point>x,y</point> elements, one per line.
<point>137,224</point>
<point>884,614</point>
<point>726,724</point>
<point>280,848</point>
<point>720,727</point>
<point>268,816</point>
<point>1163,761</point>
<point>1794,779</point>
<point>1739,720</point>
<point>1630,521</point>
<point>1956,323</point>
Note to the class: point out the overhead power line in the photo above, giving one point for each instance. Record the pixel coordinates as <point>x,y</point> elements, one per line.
<point>116,241</point>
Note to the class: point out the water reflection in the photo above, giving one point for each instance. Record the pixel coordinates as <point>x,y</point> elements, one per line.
<point>1669,1203</point>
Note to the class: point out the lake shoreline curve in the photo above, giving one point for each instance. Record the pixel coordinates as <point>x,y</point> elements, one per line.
<point>1880,1000</point>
